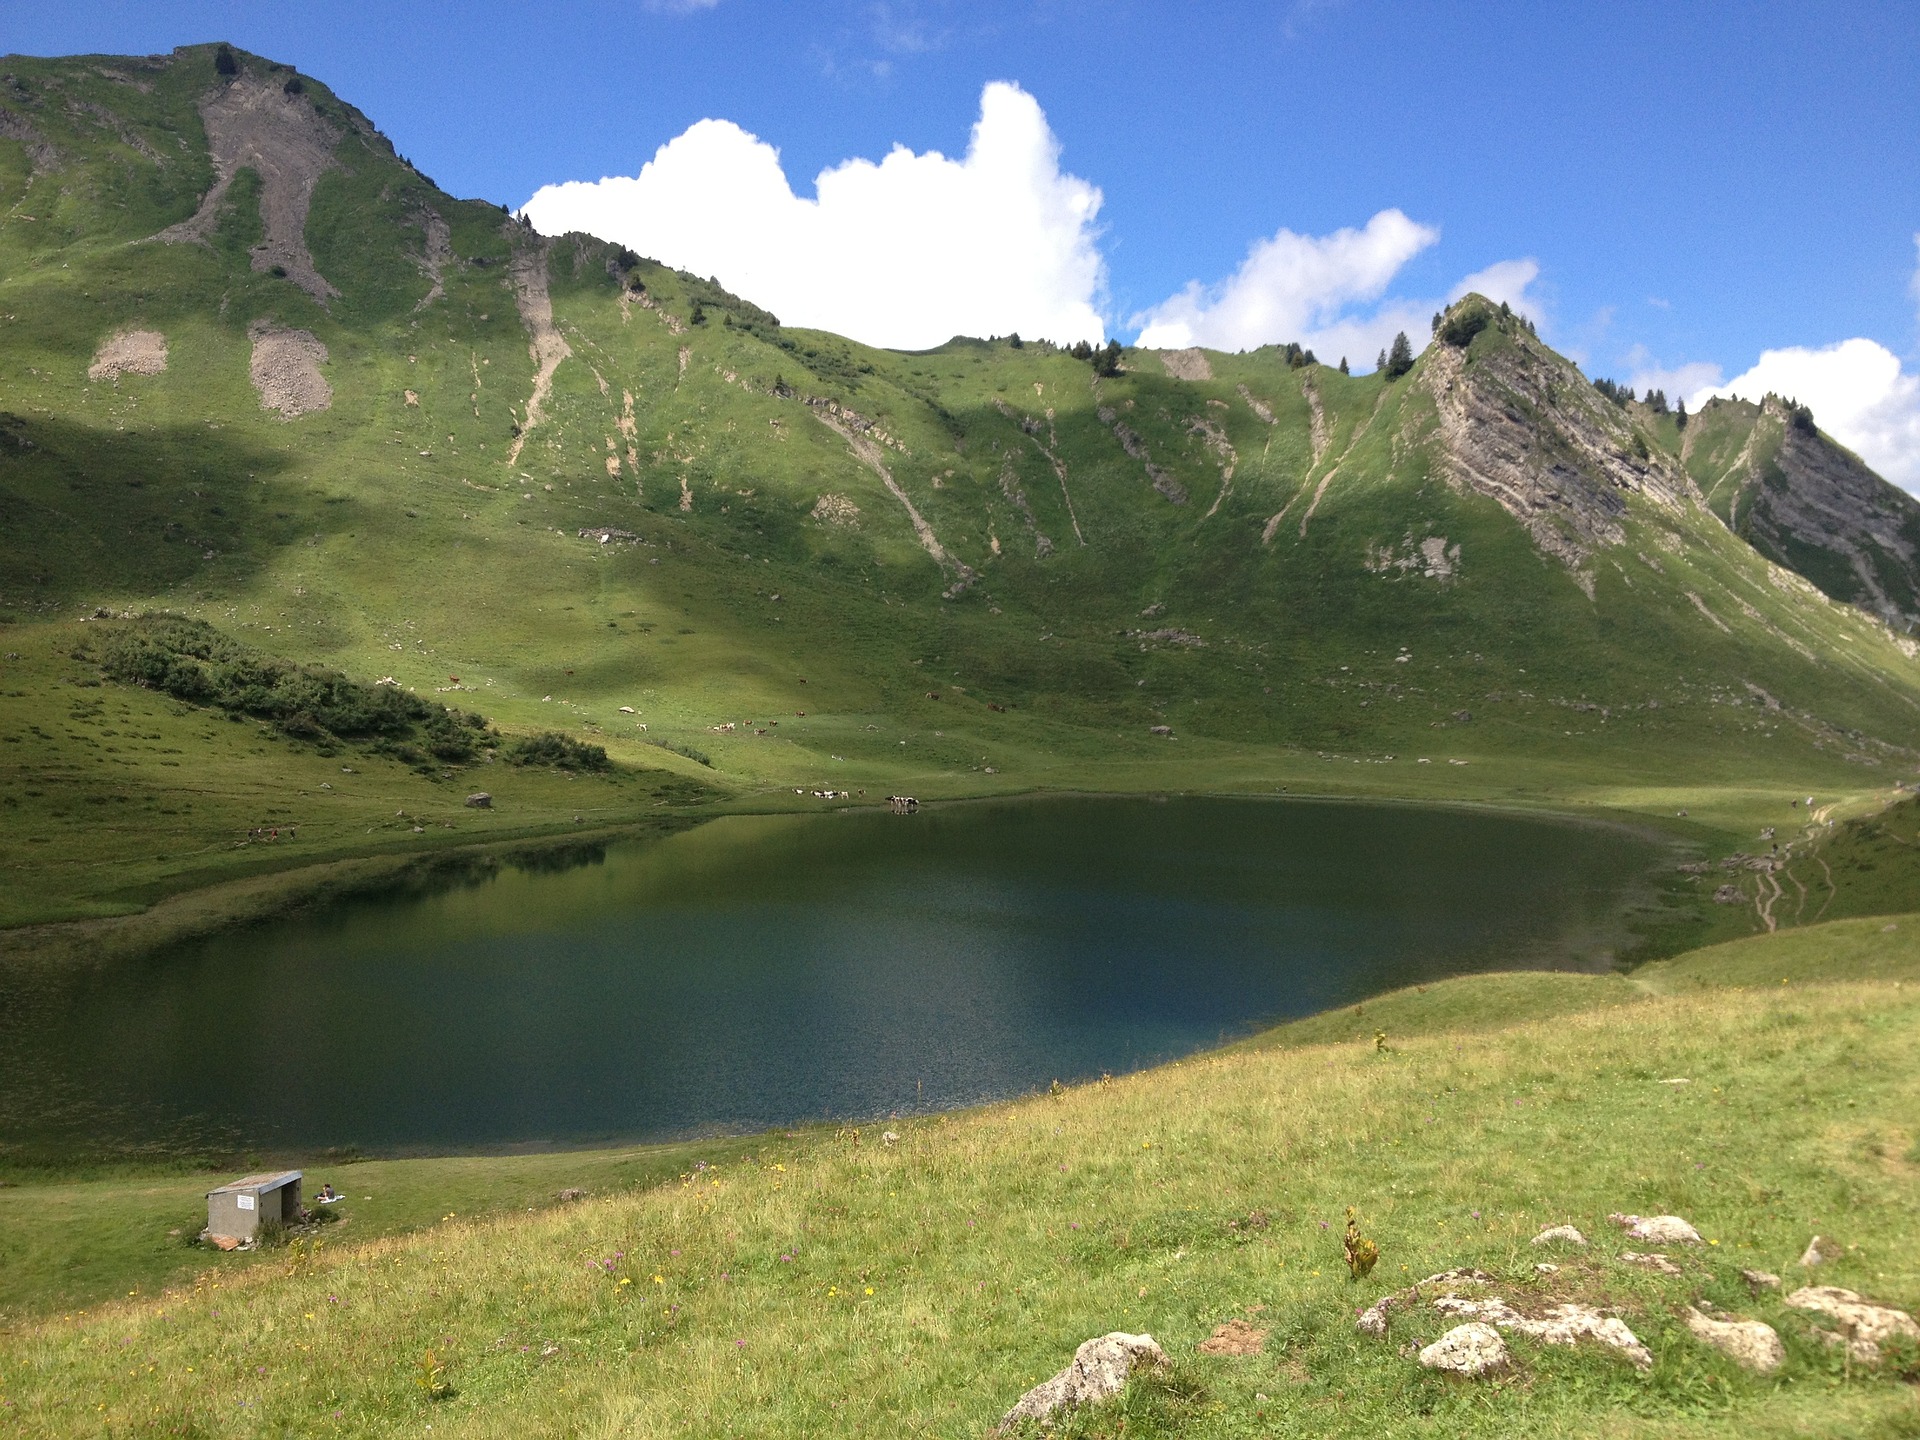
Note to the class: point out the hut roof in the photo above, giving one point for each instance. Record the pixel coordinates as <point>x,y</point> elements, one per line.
<point>271,1180</point>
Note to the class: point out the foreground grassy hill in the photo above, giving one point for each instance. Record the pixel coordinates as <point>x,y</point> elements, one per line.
<point>834,1282</point>
<point>258,370</point>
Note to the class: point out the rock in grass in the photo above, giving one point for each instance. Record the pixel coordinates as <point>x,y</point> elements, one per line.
<point>1658,1229</point>
<point>1649,1262</point>
<point>1472,1350</point>
<point>1561,1325</point>
<point>480,800</point>
<point>1863,1325</point>
<point>1560,1235</point>
<point>1100,1368</point>
<point>1820,1250</point>
<point>1374,1319</point>
<point>1459,1277</point>
<point>1758,1280</point>
<point>1749,1342</point>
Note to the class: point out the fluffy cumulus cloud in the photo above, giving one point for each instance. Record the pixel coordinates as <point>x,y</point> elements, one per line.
<point>905,253</point>
<point>1858,392</point>
<point>1289,287</point>
<point>1325,291</point>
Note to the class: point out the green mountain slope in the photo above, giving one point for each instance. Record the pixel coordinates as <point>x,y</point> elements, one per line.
<point>542,479</point>
<point>1808,503</point>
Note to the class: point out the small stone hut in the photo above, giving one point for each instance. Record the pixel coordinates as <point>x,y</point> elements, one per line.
<point>238,1209</point>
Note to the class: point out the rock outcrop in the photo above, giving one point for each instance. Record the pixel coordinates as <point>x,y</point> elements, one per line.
<point>1860,1325</point>
<point>1100,1369</point>
<point>1808,504</point>
<point>1750,1343</point>
<point>1523,427</point>
<point>254,123</point>
<point>1471,1350</point>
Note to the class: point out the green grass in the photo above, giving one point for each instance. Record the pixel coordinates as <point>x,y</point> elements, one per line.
<point>930,1282</point>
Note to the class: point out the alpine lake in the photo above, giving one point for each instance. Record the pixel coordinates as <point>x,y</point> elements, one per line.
<point>765,971</point>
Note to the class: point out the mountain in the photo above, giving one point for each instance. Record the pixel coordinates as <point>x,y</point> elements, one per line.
<point>1808,503</point>
<point>258,370</point>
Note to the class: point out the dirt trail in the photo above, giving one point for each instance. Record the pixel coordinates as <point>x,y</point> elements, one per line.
<point>130,352</point>
<point>252,123</point>
<point>1763,901</point>
<point>870,455</point>
<point>528,272</point>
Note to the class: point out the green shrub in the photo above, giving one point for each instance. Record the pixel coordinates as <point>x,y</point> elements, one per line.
<point>553,748</point>
<point>192,661</point>
<point>1459,328</point>
<point>699,757</point>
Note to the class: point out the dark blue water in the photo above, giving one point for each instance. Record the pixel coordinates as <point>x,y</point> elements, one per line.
<point>763,971</point>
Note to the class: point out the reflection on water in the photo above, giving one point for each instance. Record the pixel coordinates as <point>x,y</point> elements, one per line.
<point>765,970</point>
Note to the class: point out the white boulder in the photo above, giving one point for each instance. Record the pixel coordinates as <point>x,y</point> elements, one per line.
<point>1471,1350</point>
<point>1100,1368</point>
<point>1749,1342</point>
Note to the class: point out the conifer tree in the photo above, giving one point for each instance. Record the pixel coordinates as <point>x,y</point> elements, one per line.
<point>1400,357</point>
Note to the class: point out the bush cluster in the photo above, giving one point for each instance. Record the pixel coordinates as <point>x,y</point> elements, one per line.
<point>191,661</point>
<point>553,748</point>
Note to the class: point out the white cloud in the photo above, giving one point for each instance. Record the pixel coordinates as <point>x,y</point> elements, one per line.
<point>905,253</point>
<point>1678,382</point>
<point>1507,282</point>
<point>1325,292</point>
<point>1858,393</point>
<point>1291,287</point>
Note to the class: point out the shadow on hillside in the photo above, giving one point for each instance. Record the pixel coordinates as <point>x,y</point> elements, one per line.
<point>90,515</point>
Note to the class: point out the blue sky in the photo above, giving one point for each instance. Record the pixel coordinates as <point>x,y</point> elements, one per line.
<point>1697,184</point>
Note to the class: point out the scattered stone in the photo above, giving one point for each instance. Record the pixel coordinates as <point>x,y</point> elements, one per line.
<point>1749,1342</point>
<point>1649,1262</point>
<point>1459,1277</point>
<point>1728,895</point>
<point>285,370</point>
<point>1161,730</point>
<point>1471,1350</point>
<point>1562,1325</point>
<point>1556,1233</point>
<point>570,1194</point>
<point>1374,1319</point>
<point>889,1138</point>
<point>1863,1324</point>
<point>1545,1269</point>
<point>1760,1279</point>
<point>1236,1337</point>
<point>1820,1250</point>
<point>1658,1229</point>
<point>480,800</point>
<point>129,352</point>
<point>1100,1368</point>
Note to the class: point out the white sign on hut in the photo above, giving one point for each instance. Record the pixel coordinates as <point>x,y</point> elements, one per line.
<point>236,1211</point>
